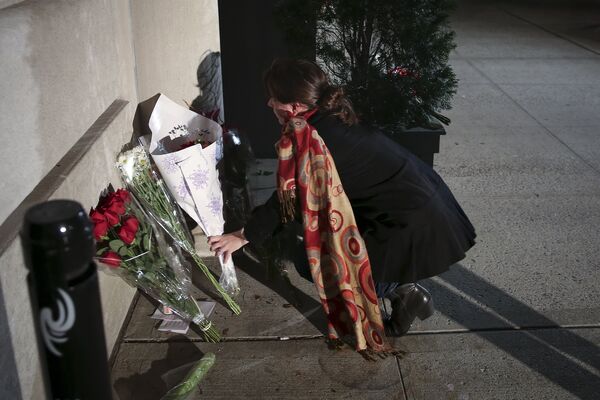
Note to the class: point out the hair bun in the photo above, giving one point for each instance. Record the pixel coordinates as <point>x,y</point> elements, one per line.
<point>331,97</point>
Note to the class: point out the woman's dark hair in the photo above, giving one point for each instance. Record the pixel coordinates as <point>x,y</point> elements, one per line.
<point>300,81</point>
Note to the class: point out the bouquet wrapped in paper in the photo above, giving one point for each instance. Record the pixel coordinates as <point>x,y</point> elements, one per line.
<point>156,200</point>
<point>186,148</point>
<point>132,246</point>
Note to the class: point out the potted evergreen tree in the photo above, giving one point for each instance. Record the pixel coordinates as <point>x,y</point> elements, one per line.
<point>391,56</point>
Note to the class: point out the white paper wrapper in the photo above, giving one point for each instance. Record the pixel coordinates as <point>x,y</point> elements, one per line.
<point>191,173</point>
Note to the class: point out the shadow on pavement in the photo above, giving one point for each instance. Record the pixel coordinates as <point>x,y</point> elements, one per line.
<point>304,303</point>
<point>163,373</point>
<point>552,353</point>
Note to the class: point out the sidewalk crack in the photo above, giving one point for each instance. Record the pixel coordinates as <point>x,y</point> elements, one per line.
<point>401,378</point>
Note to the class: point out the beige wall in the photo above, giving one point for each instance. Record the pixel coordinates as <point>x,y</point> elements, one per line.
<point>62,63</point>
<point>169,44</point>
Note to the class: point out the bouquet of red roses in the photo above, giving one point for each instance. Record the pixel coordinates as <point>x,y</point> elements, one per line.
<point>135,248</point>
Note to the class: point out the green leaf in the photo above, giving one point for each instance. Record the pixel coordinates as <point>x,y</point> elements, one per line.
<point>101,251</point>
<point>146,242</point>
<point>115,245</point>
<point>123,251</point>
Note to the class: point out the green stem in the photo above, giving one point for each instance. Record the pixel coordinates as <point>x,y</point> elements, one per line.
<point>230,302</point>
<point>191,381</point>
<point>154,194</point>
<point>188,307</point>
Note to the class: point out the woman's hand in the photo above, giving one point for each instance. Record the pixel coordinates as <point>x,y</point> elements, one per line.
<point>226,244</point>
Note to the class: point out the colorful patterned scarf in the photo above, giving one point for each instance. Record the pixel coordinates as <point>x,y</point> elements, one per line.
<point>308,181</point>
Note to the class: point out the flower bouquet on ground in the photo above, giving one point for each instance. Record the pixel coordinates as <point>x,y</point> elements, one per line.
<point>132,246</point>
<point>186,148</point>
<point>155,198</point>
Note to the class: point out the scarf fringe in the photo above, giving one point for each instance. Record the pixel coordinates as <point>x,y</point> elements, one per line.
<point>368,354</point>
<point>335,344</point>
<point>372,355</point>
<point>287,200</point>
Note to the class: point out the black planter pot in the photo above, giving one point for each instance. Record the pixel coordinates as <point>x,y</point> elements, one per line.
<point>422,142</point>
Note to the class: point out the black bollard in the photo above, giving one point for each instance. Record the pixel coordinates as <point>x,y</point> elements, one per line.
<point>58,247</point>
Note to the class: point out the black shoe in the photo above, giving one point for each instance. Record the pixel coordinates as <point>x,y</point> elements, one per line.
<point>408,302</point>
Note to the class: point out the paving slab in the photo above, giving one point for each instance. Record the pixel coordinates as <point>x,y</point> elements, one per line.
<point>584,140</point>
<point>521,30</point>
<point>535,264</point>
<point>261,173</point>
<point>581,13</point>
<point>507,161</point>
<point>257,370</point>
<point>540,364</point>
<point>466,73</point>
<point>575,23</point>
<point>499,37</point>
<point>262,179</point>
<point>271,307</point>
<point>514,160</point>
<point>583,71</point>
<point>485,105</point>
<point>558,105</point>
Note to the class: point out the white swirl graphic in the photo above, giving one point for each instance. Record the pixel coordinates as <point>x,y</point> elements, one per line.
<point>54,331</point>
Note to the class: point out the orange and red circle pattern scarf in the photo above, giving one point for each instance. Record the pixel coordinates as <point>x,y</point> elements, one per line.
<point>308,182</point>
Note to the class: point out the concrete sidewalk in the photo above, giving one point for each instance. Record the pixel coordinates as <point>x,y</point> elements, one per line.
<point>519,318</point>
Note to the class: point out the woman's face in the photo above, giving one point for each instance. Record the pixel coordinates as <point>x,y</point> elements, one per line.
<point>282,111</point>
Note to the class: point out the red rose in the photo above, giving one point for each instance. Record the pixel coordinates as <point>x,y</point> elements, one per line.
<point>111,259</point>
<point>105,200</point>
<point>187,144</point>
<point>131,223</point>
<point>126,235</point>
<point>100,229</point>
<point>116,205</point>
<point>97,216</point>
<point>111,218</point>
<point>100,224</point>
<point>123,195</point>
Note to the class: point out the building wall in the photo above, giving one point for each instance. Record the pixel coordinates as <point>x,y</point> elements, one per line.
<point>245,58</point>
<point>170,43</point>
<point>62,63</point>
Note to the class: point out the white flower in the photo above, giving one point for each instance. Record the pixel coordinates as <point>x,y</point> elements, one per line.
<point>133,162</point>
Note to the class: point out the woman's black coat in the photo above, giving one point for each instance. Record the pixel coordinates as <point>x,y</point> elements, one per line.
<point>412,225</point>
